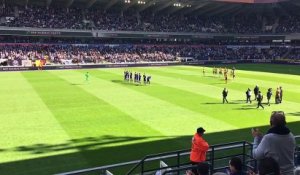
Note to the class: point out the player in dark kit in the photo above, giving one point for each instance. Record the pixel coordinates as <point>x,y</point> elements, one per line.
<point>256,90</point>
<point>259,100</point>
<point>248,95</point>
<point>148,79</point>
<point>145,78</point>
<point>225,93</point>
<point>125,75</point>
<point>269,95</point>
<point>135,77</point>
<point>130,76</point>
<point>139,78</point>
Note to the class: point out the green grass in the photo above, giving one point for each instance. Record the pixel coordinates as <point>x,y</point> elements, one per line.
<point>53,121</point>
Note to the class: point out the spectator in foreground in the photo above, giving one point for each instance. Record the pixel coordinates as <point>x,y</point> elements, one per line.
<point>219,173</point>
<point>235,166</point>
<point>202,169</point>
<point>279,143</point>
<point>267,166</point>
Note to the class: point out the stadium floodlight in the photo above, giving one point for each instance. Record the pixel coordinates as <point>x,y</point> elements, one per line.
<point>177,5</point>
<point>141,2</point>
<point>127,1</point>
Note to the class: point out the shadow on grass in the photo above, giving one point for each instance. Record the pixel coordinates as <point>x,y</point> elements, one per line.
<point>77,84</point>
<point>294,113</point>
<point>86,143</point>
<point>245,108</point>
<point>128,83</point>
<point>97,151</point>
<point>242,101</point>
<point>214,103</point>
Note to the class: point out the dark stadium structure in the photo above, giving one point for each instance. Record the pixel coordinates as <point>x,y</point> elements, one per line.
<point>208,29</point>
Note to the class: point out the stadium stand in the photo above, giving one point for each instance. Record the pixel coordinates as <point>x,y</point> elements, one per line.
<point>13,54</point>
<point>55,31</point>
<point>150,20</point>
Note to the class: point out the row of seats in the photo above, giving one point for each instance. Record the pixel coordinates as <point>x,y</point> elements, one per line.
<point>75,18</point>
<point>13,54</point>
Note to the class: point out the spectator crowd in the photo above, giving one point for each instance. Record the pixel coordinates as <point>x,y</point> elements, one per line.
<point>88,19</point>
<point>13,54</point>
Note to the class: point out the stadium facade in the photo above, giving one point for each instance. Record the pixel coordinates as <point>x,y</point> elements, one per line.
<point>199,25</point>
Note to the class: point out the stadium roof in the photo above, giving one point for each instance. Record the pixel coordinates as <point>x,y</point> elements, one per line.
<point>252,1</point>
<point>210,7</point>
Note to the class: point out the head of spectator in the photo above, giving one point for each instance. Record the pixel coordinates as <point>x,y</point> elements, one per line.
<point>235,166</point>
<point>220,173</point>
<point>277,119</point>
<point>200,131</point>
<point>268,166</point>
<point>201,169</point>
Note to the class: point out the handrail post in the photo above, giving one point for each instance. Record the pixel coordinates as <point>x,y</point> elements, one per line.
<point>142,168</point>
<point>212,157</point>
<point>178,161</point>
<point>251,154</point>
<point>244,152</point>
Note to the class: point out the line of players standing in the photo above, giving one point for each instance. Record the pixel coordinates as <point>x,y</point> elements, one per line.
<point>258,96</point>
<point>137,77</point>
<point>223,71</point>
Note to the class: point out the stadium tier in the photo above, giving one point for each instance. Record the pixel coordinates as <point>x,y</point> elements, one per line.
<point>213,17</point>
<point>15,54</point>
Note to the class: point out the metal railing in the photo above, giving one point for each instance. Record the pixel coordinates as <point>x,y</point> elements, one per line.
<point>217,157</point>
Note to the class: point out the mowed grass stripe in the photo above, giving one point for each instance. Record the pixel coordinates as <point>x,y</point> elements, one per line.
<point>95,126</point>
<point>286,73</point>
<point>201,87</point>
<point>291,92</point>
<point>265,76</point>
<point>151,111</point>
<point>260,78</point>
<point>197,103</point>
<point>272,68</point>
<point>26,121</point>
<point>85,116</point>
<point>239,83</point>
<point>291,99</point>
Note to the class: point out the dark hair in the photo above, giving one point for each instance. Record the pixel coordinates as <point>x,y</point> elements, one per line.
<point>268,166</point>
<point>200,130</point>
<point>236,162</point>
<point>202,169</point>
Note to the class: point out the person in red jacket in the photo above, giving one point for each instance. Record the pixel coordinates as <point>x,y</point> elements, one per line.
<point>199,147</point>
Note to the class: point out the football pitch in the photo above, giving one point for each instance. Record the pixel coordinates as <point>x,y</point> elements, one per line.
<point>55,121</point>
